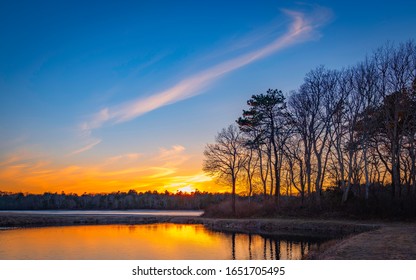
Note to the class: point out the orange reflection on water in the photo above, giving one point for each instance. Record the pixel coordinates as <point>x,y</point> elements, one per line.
<point>157,241</point>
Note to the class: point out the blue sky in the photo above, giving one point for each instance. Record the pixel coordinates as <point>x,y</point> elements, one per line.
<point>113,95</point>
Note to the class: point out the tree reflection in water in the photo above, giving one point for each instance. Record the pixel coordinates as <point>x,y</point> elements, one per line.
<point>268,248</point>
<point>151,242</point>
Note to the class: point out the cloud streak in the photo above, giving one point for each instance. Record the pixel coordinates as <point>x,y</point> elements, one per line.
<point>302,28</point>
<point>86,148</point>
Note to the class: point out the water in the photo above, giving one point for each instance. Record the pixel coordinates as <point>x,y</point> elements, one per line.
<point>193,213</point>
<point>143,242</point>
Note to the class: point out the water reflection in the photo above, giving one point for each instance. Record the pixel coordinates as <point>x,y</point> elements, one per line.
<point>156,241</point>
<point>256,247</point>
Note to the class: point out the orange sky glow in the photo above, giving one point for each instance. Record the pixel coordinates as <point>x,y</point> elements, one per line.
<point>171,169</point>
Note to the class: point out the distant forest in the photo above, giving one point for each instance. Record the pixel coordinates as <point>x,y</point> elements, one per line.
<point>110,201</point>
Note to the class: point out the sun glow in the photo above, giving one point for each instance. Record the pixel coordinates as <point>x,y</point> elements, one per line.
<point>187,189</point>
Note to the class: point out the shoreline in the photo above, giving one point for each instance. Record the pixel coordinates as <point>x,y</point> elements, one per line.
<point>345,239</point>
<point>265,226</point>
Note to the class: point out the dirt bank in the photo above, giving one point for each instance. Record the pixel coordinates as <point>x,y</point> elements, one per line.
<point>389,242</point>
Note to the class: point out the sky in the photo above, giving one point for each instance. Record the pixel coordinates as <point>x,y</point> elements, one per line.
<point>105,96</point>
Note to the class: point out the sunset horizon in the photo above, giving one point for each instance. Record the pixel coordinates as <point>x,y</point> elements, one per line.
<point>196,139</point>
<point>104,98</point>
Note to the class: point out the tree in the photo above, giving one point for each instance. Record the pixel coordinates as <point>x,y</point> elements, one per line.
<point>361,101</point>
<point>393,117</point>
<point>226,158</point>
<point>251,164</point>
<point>266,116</point>
<point>312,110</point>
<point>295,165</point>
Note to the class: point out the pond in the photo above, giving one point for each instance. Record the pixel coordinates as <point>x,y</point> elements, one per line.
<point>144,242</point>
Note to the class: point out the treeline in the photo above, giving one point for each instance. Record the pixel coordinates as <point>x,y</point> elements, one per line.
<point>110,201</point>
<point>353,129</point>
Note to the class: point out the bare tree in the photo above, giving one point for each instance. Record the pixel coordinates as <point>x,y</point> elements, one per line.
<point>395,71</point>
<point>312,111</point>
<point>251,164</point>
<point>296,165</point>
<point>365,98</point>
<point>302,120</point>
<point>225,158</point>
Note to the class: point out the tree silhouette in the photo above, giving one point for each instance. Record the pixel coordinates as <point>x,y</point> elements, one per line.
<point>225,158</point>
<point>265,117</point>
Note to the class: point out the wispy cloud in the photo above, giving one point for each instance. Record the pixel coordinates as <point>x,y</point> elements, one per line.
<point>302,28</point>
<point>87,147</point>
<point>125,157</point>
<point>173,152</point>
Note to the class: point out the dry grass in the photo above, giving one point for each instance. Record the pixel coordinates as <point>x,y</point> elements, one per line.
<point>391,242</point>
<point>244,209</point>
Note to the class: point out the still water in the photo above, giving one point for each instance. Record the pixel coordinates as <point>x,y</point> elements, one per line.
<point>143,242</point>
